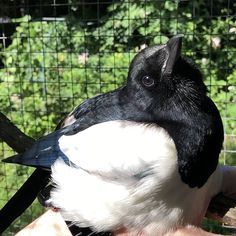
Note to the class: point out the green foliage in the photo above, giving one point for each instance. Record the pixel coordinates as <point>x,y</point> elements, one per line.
<point>50,67</point>
<point>215,227</point>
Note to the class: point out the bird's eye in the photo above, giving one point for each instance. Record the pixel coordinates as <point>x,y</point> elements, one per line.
<point>148,81</point>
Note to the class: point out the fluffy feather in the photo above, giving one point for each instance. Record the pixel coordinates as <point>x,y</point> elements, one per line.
<point>138,186</point>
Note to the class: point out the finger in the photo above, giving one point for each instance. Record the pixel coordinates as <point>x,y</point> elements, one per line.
<point>50,223</point>
<point>228,187</point>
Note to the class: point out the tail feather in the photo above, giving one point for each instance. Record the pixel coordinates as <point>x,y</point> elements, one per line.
<point>24,197</point>
<point>42,149</point>
<point>42,154</point>
<point>13,159</point>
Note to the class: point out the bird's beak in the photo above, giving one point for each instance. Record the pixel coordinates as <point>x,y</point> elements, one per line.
<point>173,47</point>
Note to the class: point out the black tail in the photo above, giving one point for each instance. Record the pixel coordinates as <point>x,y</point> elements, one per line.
<point>13,159</point>
<point>23,198</point>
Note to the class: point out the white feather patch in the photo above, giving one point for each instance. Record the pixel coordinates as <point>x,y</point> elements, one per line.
<point>126,176</point>
<point>119,145</point>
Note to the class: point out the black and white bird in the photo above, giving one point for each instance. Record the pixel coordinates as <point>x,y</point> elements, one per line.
<point>143,157</point>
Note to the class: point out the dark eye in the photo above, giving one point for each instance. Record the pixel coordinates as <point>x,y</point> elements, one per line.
<point>148,81</point>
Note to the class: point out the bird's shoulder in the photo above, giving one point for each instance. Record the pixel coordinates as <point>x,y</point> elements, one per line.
<point>127,147</point>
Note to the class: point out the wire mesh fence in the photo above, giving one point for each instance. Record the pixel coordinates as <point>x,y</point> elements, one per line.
<point>55,54</point>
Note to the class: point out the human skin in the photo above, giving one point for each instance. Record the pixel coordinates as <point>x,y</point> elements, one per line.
<point>188,230</point>
<point>51,223</point>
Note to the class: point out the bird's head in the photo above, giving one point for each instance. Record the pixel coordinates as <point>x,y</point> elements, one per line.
<point>168,90</point>
<point>159,76</point>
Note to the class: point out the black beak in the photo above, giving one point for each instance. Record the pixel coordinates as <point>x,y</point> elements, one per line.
<point>173,47</point>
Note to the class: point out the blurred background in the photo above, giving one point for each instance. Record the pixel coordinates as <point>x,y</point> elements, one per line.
<point>54,54</point>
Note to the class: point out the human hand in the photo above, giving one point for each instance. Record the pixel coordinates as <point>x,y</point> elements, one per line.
<point>185,231</point>
<point>221,207</point>
<point>51,223</point>
<point>227,186</point>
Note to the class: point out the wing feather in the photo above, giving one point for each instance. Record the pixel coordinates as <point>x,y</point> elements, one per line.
<point>122,147</point>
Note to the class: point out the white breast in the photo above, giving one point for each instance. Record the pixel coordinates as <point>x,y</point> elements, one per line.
<point>126,175</point>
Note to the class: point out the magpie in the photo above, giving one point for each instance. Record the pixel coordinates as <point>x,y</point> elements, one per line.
<point>142,157</point>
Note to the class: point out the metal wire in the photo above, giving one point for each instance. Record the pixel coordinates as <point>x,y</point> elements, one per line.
<point>39,91</point>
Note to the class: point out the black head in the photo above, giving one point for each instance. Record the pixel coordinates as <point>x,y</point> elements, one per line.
<point>159,75</point>
<point>168,89</point>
